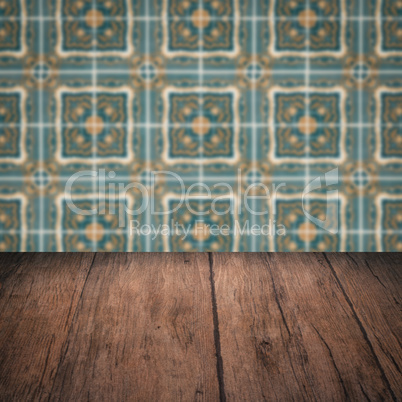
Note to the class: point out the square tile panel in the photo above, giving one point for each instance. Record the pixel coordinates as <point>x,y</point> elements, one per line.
<point>255,125</point>
<point>391,26</point>
<point>313,121</point>
<point>94,124</point>
<point>12,28</point>
<point>315,26</point>
<point>211,30</point>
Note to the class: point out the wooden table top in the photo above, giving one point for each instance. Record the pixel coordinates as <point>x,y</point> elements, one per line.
<point>150,327</point>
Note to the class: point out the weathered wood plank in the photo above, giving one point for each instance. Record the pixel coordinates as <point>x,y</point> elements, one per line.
<point>288,333</point>
<point>372,283</point>
<point>143,331</point>
<point>38,298</point>
<point>143,326</point>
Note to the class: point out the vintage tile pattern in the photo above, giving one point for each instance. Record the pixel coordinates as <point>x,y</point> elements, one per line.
<point>210,30</point>
<point>321,129</point>
<point>282,91</point>
<point>83,134</point>
<point>82,233</point>
<point>12,27</point>
<point>211,118</point>
<point>316,26</point>
<point>86,24</point>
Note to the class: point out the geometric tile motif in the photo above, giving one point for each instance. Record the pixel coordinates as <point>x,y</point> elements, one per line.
<point>211,29</point>
<point>106,119</point>
<point>392,222</point>
<point>11,224</point>
<point>391,124</point>
<point>82,232</point>
<point>84,28</point>
<point>204,230</point>
<point>391,27</point>
<point>11,119</point>
<point>201,124</point>
<point>298,29</point>
<point>301,231</point>
<point>275,91</point>
<point>300,123</point>
<point>12,27</point>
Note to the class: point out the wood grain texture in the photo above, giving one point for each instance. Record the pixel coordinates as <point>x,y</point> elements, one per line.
<point>289,333</point>
<point>372,283</point>
<point>38,299</point>
<point>212,327</point>
<point>143,331</point>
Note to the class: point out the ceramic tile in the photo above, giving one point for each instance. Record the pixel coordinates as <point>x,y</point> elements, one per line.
<point>125,105</point>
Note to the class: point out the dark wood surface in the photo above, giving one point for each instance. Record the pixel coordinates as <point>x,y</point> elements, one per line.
<point>173,327</point>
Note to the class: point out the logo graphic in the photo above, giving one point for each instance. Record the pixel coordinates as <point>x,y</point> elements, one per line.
<point>330,223</point>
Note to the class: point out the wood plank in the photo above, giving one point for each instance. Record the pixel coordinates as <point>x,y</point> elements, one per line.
<point>38,298</point>
<point>372,283</point>
<point>288,333</point>
<point>143,331</point>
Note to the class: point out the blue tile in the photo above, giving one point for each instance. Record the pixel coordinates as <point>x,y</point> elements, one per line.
<point>290,107</point>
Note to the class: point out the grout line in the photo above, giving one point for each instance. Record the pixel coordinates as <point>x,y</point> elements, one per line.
<point>246,18</point>
<point>360,135</point>
<point>41,128</point>
<point>307,113</point>
<point>215,179</point>
<point>254,150</point>
<point>213,72</point>
<point>217,338</point>
<point>189,125</point>
<point>94,126</point>
<point>200,241</point>
<point>366,232</point>
<point>147,113</point>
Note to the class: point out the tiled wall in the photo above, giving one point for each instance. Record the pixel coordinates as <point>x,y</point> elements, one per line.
<point>274,92</point>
